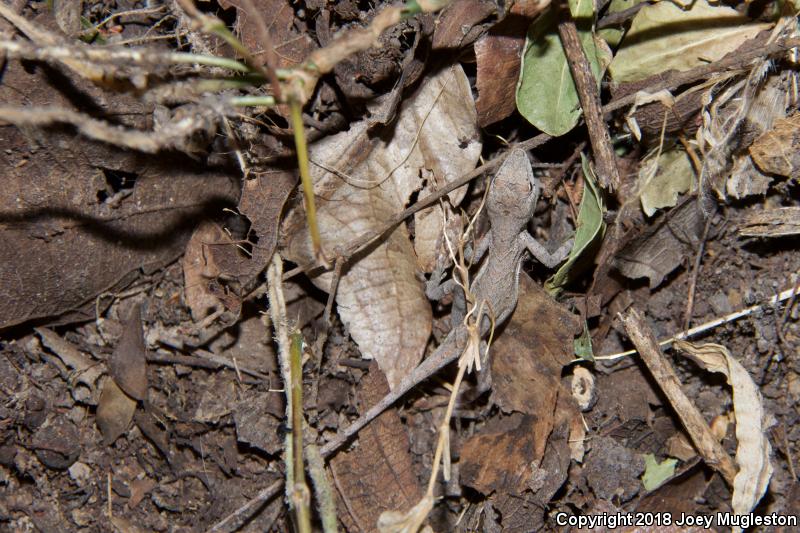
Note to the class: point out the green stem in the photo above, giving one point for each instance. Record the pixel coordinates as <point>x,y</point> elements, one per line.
<point>300,493</point>
<point>305,176</point>
<point>211,61</point>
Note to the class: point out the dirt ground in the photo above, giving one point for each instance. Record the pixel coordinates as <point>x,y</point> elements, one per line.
<point>146,203</point>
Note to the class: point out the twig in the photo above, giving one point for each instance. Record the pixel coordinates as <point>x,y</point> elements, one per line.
<point>589,97</point>
<point>711,324</point>
<point>698,259</point>
<point>237,519</point>
<point>172,135</point>
<point>666,378</point>
<point>117,56</point>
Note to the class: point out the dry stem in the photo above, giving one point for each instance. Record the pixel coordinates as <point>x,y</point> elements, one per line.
<point>663,373</point>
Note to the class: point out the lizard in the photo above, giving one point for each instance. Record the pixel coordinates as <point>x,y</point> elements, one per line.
<point>510,205</point>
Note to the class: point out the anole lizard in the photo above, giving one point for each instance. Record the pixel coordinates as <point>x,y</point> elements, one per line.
<point>510,205</point>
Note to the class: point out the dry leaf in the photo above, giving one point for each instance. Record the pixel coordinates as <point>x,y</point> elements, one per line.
<point>662,247</point>
<point>664,36</point>
<point>778,222</point>
<point>527,359</point>
<point>128,363</point>
<point>200,266</point>
<point>497,55</point>
<point>263,196</point>
<point>753,449</point>
<point>663,179</point>
<point>114,411</point>
<point>291,46</point>
<point>519,462</point>
<point>458,23</point>
<point>377,476</point>
<point>78,218</point>
<point>361,178</point>
<point>778,150</point>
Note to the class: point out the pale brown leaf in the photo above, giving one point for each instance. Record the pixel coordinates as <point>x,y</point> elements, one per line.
<point>753,448</point>
<point>114,411</point>
<point>776,151</point>
<point>200,266</point>
<point>128,363</point>
<point>361,178</point>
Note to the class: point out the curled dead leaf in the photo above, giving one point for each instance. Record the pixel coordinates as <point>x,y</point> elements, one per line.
<point>753,448</point>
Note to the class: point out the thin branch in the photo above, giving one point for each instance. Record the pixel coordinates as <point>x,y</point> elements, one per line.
<point>173,135</point>
<point>589,97</point>
<point>666,378</point>
<point>118,56</point>
<point>711,324</point>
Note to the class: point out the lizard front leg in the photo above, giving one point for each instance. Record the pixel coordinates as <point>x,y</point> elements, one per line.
<point>436,289</point>
<point>537,250</point>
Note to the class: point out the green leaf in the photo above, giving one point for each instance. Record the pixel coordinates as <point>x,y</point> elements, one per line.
<point>583,345</point>
<point>590,230</point>
<point>546,94</point>
<point>655,473</point>
<point>581,9</point>
<point>662,180</point>
<point>663,36</point>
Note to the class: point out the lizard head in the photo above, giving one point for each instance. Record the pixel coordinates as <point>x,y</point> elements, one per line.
<point>514,190</point>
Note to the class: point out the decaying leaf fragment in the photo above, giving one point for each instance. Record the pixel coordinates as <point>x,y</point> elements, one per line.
<point>778,150</point>
<point>660,249</point>
<point>662,179</point>
<point>753,448</point>
<point>664,36</point>
<point>361,177</point>
<point>126,384</point>
<point>115,411</point>
<point>376,476</point>
<point>771,223</point>
<point>128,363</point>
